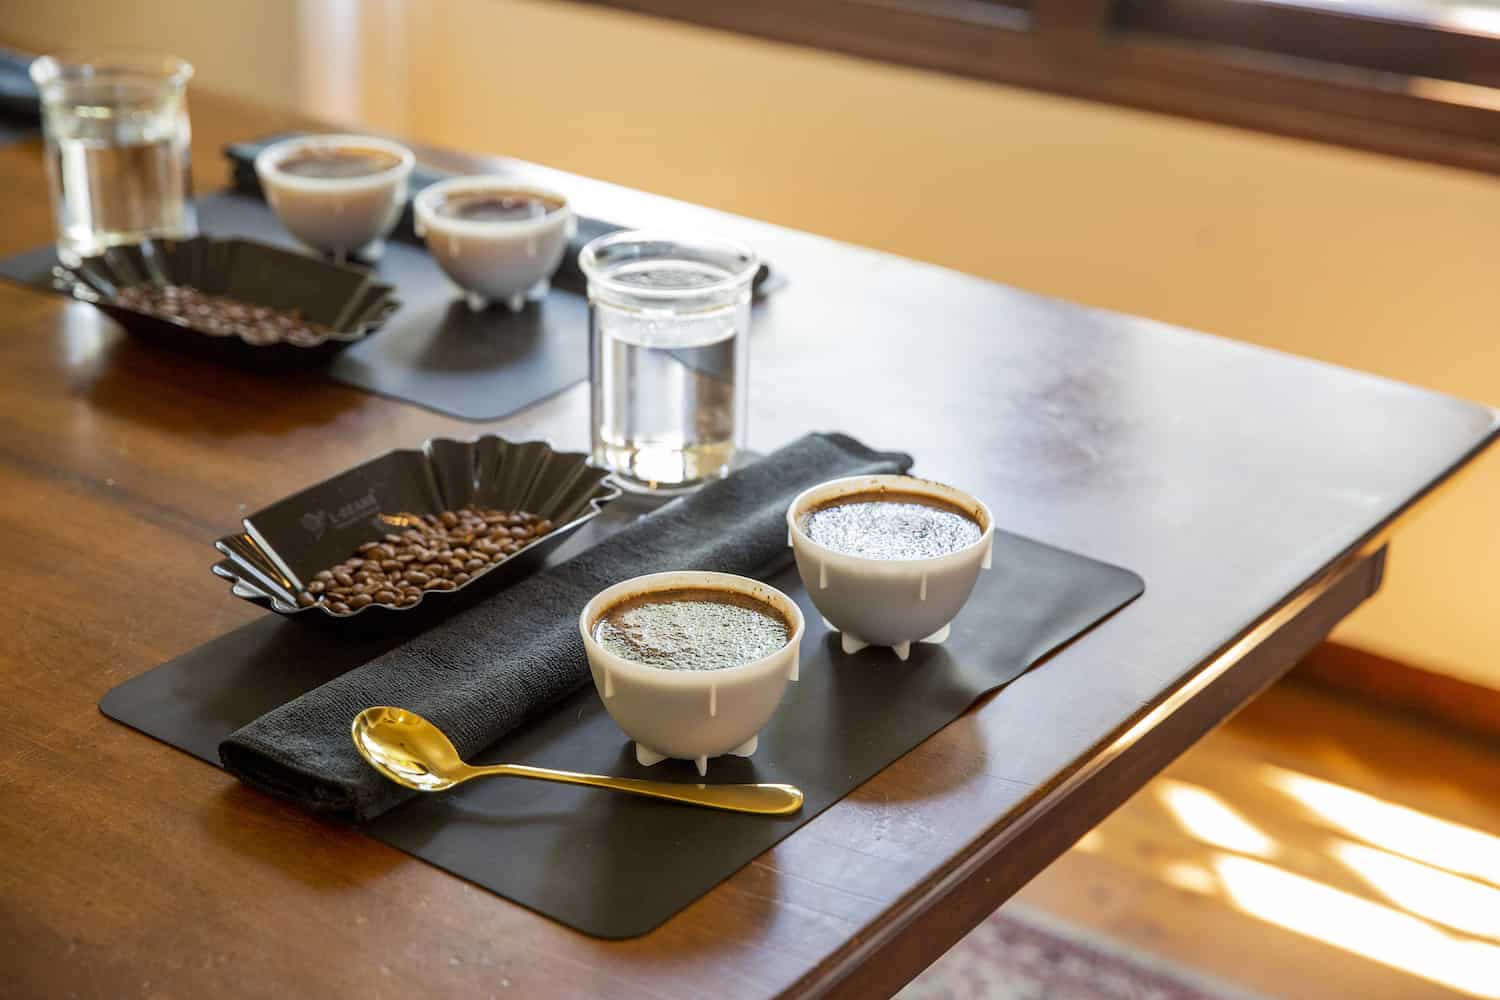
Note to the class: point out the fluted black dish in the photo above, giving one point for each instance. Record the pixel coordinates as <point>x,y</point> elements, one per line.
<point>347,300</point>
<point>281,547</point>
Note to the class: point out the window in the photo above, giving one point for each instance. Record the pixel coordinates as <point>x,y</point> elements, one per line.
<point>1418,78</point>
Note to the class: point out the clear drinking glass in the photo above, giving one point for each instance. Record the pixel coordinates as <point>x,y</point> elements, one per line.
<point>669,355</point>
<point>117,148</point>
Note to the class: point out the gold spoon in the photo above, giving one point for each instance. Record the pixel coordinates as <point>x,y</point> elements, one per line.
<point>413,752</point>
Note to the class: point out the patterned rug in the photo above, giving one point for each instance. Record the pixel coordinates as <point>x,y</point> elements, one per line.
<point>1021,954</point>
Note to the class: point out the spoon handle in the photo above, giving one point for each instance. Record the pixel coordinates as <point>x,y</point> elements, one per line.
<point>768,800</point>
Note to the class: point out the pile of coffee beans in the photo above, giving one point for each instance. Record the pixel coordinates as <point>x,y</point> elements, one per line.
<point>220,316</point>
<point>429,552</point>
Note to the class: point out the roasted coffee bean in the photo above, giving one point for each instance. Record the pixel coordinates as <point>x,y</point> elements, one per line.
<point>442,551</point>
<point>221,316</point>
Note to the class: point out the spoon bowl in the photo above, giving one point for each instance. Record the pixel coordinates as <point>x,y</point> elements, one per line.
<point>415,754</point>
<point>408,749</point>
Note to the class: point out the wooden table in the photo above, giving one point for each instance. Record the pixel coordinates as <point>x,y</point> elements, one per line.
<point>1252,490</point>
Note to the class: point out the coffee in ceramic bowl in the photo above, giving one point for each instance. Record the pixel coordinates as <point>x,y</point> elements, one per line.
<point>692,628</point>
<point>891,524</point>
<point>889,560</point>
<point>499,240</point>
<point>339,194</point>
<point>691,665</point>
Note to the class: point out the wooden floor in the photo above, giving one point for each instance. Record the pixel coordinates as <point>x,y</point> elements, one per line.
<point>1312,847</point>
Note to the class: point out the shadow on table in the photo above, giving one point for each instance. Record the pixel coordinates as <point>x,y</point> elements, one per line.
<point>147,384</point>
<point>455,338</point>
<point>875,676</point>
<point>319,852</point>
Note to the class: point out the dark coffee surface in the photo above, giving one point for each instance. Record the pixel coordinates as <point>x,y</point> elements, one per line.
<point>697,628</point>
<point>498,205</point>
<point>891,526</point>
<point>340,163</point>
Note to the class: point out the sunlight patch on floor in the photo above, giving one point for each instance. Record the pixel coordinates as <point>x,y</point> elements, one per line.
<point>1398,829</point>
<point>1383,881</point>
<point>1212,820</point>
<point>1378,933</point>
<point>1452,900</point>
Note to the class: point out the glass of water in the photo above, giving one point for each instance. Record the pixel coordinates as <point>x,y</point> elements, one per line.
<point>117,148</point>
<point>669,352</point>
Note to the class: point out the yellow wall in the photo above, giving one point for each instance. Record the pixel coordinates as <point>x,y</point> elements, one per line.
<point>1369,262</point>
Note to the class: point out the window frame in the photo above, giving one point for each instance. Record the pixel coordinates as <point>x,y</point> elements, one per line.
<point>1151,54</point>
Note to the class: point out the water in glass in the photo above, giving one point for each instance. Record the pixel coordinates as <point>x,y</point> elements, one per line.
<point>669,364</point>
<point>117,152</point>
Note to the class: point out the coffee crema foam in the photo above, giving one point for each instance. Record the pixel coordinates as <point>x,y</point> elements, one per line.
<point>879,525</point>
<point>692,628</point>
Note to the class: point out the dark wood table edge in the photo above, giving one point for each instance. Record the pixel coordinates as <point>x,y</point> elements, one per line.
<point>929,920</point>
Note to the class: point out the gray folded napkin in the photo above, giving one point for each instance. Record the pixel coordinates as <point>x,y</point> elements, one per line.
<point>484,671</point>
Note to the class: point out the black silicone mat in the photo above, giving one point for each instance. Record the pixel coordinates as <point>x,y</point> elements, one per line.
<point>13,131</point>
<point>616,866</point>
<point>434,351</point>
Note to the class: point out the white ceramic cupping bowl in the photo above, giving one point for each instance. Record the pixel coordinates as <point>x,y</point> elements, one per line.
<point>691,714</point>
<point>495,261</point>
<point>337,215</point>
<point>888,602</point>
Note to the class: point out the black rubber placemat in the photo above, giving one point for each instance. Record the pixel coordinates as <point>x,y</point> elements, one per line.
<point>616,866</point>
<point>20,105</point>
<point>434,351</point>
<point>14,131</point>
